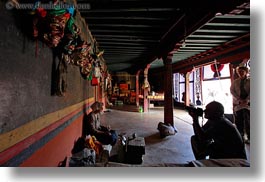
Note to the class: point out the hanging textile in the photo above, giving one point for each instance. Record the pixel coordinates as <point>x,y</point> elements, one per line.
<point>49,25</point>
<point>217,68</point>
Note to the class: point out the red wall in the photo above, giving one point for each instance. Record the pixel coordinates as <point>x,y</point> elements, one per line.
<point>58,148</point>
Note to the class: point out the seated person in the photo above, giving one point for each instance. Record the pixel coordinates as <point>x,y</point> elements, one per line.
<point>93,127</point>
<point>218,138</point>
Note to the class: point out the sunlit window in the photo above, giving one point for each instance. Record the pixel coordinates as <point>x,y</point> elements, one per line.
<point>216,86</point>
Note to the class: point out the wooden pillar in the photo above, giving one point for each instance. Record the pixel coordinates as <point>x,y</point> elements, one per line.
<point>146,88</point>
<point>187,89</point>
<point>137,88</point>
<point>95,93</point>
<point>168,87</point>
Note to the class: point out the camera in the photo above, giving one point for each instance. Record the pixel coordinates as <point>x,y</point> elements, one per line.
<point>196,111</point>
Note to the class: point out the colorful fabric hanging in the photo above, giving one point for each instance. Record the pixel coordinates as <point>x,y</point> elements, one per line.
<point>49,25</point>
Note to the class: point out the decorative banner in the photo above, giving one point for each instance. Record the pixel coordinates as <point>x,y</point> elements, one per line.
<point>217,68</point>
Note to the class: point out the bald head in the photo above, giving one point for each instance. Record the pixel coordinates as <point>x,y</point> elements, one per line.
<point>214,110</point>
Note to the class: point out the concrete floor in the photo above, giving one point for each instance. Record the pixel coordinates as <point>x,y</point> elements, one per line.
<point>172,149</point>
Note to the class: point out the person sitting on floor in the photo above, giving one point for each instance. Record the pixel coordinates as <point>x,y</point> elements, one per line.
<point>93,126</point>
<point>218,138</point>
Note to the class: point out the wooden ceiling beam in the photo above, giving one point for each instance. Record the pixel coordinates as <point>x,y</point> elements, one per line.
<point>208,55</point>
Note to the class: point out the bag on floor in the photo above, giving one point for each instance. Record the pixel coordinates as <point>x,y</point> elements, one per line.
<point>166,129</point>
<point>82,155</point>
<point>84,158</point>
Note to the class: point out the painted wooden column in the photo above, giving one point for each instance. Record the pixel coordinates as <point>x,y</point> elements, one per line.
<point>187,89</point>
<point>168,87</point>
<point>137,88</point>
<point>198,85</point>
<point>146,88</point>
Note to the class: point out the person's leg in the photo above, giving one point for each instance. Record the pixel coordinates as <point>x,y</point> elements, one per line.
<point>247,122</point>
<point>114,137</point>
<point>239,121</point>
<point>102,138</point>
<point>107,138</point>
<point>198,150</point>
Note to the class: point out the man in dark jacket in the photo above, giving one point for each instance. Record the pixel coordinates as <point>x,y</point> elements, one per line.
<point>218,138</point>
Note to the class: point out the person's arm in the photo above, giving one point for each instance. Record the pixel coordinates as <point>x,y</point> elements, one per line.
<point>233,90</point>
<point>198,131</point>
<point>104,128</point>
<point>248,89</point>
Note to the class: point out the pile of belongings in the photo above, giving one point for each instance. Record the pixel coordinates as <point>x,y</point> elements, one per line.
<point>166,129</point>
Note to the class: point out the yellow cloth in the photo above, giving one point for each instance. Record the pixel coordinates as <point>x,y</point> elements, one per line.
<point>94,144</point>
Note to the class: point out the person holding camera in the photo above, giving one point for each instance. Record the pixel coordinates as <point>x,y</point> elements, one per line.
<point>218,138</point>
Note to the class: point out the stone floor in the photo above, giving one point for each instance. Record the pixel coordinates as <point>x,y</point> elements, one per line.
<point>172,149</point>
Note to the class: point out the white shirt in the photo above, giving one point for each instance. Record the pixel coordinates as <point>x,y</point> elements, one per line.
<point>235,91</point>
